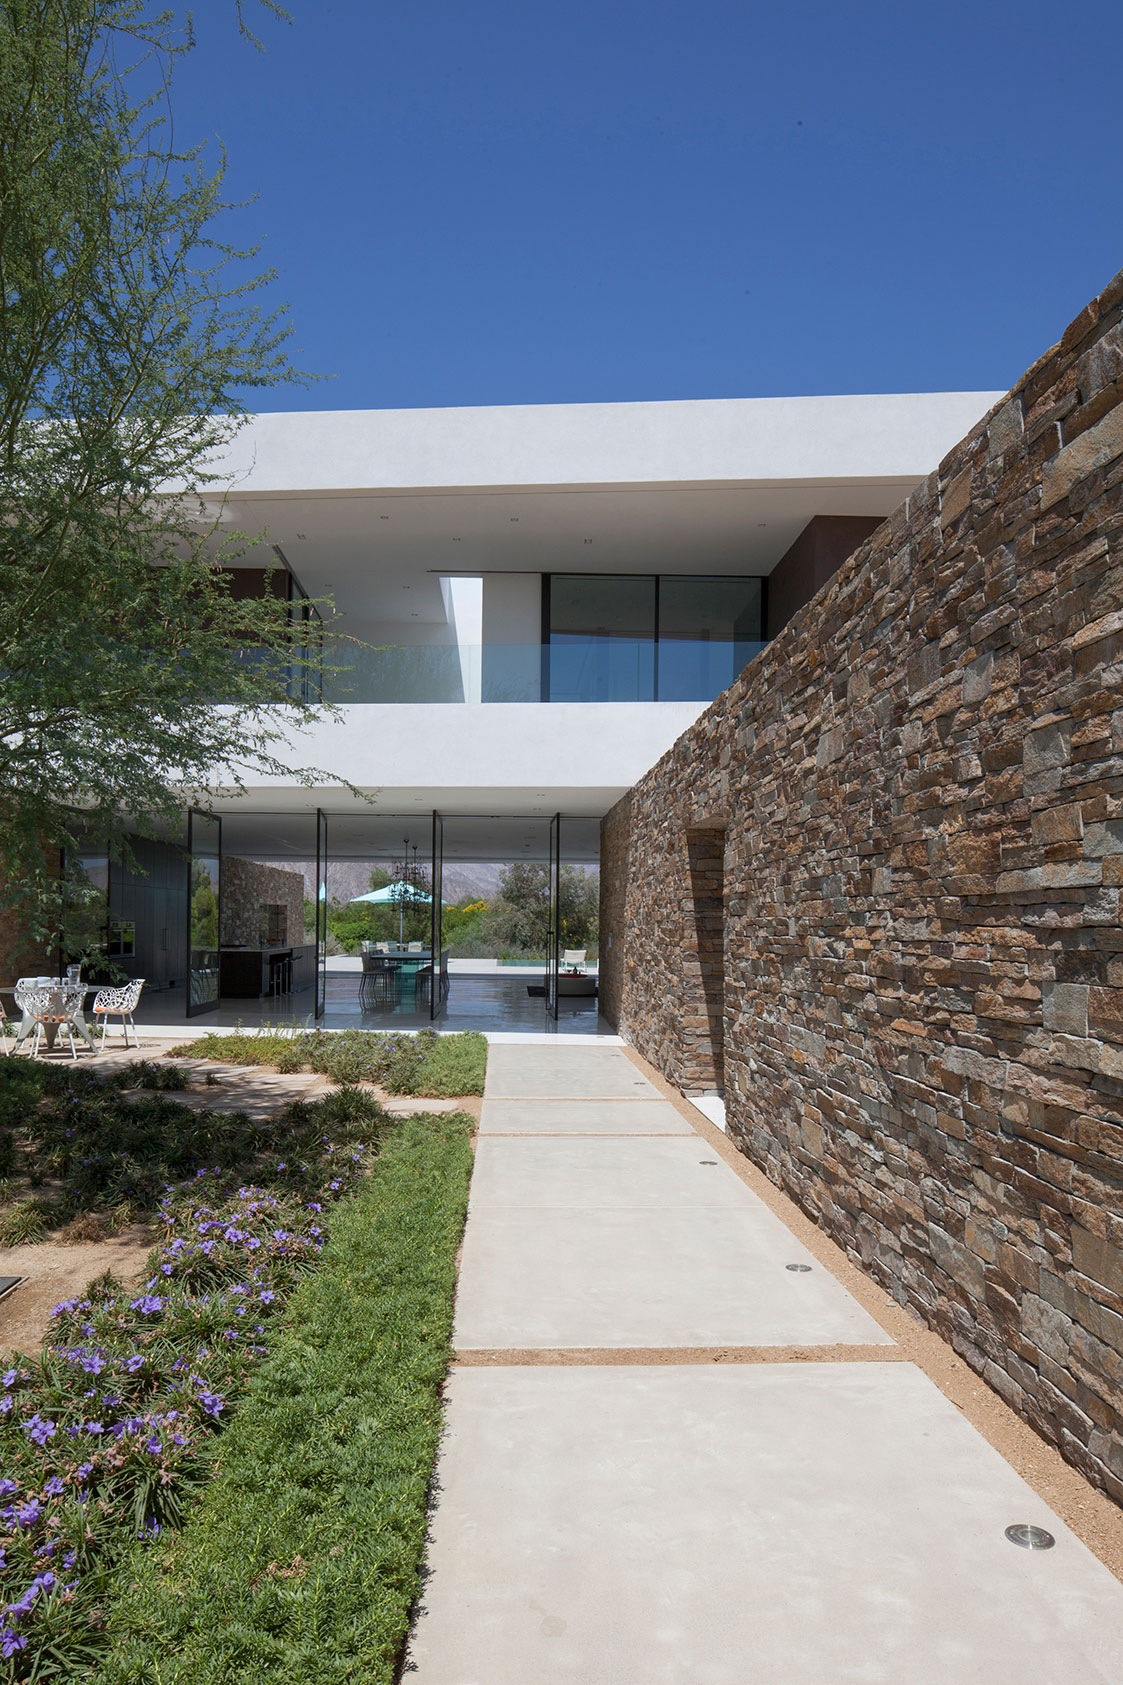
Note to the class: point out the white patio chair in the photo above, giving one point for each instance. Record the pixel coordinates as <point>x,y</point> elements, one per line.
<point>119,1003</point>
<point>574,958</point>
<point>46,1007</point>
<point>415,948</point>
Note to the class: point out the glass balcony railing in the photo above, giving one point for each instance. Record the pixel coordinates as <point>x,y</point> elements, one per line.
<point>570,669</point>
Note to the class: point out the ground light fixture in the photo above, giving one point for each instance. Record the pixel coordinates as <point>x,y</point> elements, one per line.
<point>1030,1538</point>
<point>798,1269</point>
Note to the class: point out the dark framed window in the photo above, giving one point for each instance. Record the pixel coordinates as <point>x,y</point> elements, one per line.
<point>647,637</point>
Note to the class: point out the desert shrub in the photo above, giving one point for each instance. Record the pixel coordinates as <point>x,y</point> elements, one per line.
<point>425,1063</point>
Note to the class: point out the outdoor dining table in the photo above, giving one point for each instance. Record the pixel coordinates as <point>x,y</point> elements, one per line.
<point>392,966</point>
<point>67,999</point>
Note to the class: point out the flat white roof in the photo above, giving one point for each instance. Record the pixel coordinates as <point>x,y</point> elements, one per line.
<point>716,441</point>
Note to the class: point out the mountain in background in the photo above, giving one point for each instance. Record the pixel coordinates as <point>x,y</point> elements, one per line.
<point>478,880</point>
<point>348,878</point>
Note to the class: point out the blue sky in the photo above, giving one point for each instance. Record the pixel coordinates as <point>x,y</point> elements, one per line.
<point>515,201</point>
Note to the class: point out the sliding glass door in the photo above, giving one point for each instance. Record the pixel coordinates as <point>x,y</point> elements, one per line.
<point>321,911</point>
<point>204,900</point>
<point>553,942</point>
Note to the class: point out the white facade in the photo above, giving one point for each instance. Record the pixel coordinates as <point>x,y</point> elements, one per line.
<point>432,531</point>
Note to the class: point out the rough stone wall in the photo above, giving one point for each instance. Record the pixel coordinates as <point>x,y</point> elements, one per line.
<point>921,781</point>
<point>246,884</point>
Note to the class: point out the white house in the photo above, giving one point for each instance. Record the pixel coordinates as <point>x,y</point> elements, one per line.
<point>547,596</point>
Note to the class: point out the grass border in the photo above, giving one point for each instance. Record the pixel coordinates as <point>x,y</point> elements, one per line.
<point>302,1558</point>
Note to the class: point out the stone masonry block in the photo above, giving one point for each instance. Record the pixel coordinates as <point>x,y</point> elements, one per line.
<point>1094,449</point>
<point>1065,1008</point>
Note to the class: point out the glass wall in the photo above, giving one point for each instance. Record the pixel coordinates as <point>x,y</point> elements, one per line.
<point>204,890</point>
<point>645,638</point>
<point>708,630</point>
<point>601,636</point>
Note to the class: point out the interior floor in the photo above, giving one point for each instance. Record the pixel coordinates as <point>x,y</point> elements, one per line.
<point>489,1002</point>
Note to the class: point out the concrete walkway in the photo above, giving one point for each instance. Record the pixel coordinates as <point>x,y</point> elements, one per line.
<point>615,1506</point>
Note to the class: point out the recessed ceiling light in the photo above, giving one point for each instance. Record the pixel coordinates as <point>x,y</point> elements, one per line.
<point>762,523</point>
<point>302,535</point>
<point>384,517</point>
<point>588,541</point>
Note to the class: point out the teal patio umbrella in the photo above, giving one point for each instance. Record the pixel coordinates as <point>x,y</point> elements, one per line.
<point>402,893</point>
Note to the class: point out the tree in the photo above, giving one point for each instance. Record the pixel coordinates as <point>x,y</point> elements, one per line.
<point>520,916</point>
<point>129,332</point>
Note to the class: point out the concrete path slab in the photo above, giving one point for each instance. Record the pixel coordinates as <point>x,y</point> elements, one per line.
<point>558,1072</point>
<point>609,1175</point>
<point>581,1117</point>
<point>650,1276</point>
<point>784,1525</point>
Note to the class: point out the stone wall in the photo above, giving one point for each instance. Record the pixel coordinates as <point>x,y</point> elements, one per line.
<point>921,788</point>
<point>246,886</point>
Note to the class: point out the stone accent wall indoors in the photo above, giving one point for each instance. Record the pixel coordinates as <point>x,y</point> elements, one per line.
<point>246,885</point>
<point>921,788</point>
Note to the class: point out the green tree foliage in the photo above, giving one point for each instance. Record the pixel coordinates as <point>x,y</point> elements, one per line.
<point>129,331</point>
<point>519,919</point>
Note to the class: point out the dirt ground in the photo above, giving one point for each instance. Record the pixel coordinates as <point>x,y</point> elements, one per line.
<point>57,1271</point>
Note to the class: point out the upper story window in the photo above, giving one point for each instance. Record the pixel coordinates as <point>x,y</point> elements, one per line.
<point>647,638</point>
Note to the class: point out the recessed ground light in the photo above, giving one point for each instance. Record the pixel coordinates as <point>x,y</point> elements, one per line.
<point>384,517</point>
<point>302,535</point>
<point>707,1161</point>
<point>798,1269</point>
<point>762,523</point>
<point>8,1283</point>
<point>1030,1538</point>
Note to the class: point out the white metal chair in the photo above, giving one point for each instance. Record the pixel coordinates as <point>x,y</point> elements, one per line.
<point>46,1007</point>
<point>574,958</point>
<point>119,1003</point>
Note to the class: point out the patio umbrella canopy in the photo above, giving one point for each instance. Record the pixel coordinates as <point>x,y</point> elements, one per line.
<point>399,891</point>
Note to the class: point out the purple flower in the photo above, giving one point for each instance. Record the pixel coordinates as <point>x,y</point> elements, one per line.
<point>148,1304</point>
<point>40,1430</point>
<point>132,1364</point>
<point>7,1487</point>
<point>94,1427</point>
<point>211,1403</point>
<point>54,1487</point>
<point>268,1296</point>
<point>153,1445</point>
<point>10,1642</point>
<point>9,1377</point>
<point>6,1404</point>
<point>27,1514</point>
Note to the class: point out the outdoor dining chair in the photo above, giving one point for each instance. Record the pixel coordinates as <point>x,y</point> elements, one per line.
<point>119,1003</point>
<point>574,957</point>
<point>50,1011</point>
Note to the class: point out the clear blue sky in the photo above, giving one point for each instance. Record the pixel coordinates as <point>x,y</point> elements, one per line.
<point>519,201</point>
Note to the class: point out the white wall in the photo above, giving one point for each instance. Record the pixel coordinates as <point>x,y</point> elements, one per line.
<point>579,757</point>
<point>728,439</point>
<point>512,636</point>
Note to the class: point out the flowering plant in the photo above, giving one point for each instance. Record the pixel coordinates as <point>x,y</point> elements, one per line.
<point>105,1435</point>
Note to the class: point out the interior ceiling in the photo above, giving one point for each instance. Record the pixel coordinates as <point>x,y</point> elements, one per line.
<point>490,838</point>
<point>380,555</point>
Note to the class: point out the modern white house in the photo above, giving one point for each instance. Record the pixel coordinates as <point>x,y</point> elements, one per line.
<point>544,598</point>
